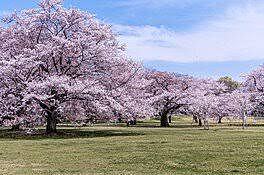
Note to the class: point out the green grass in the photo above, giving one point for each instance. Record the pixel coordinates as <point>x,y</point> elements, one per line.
<point>181,149</point>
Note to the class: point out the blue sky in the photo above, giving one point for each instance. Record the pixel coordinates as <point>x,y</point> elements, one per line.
<point>198,37</point>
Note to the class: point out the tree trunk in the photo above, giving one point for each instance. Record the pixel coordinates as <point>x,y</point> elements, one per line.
<point>200,122</point>
<point>170,119</point>
<point>195,119</point>
<point>219,120</point>
<point>135,121</point>
<point>164,120</point>
<point>244,120</point>
<point>51,127</point>
<point>206,124</point>
<point>15,127</point>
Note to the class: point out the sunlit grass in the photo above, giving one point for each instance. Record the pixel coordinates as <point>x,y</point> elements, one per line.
<point>182,149</point>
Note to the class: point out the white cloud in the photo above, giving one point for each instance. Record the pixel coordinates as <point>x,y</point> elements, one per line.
<point>236,35</point>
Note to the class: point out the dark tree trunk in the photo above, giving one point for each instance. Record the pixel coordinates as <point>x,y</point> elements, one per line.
<point>195,119</point>
<point>15,127</point>
<point>132,122</point>
<point>170,119</point>
<point>135,121</point>
<point>51,127</point>
<point>220,120</point>
<point>164,120</point>
<point>51,114</point>
<point>200,122</point>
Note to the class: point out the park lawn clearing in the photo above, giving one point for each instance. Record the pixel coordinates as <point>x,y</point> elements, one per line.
<point>145,149</point>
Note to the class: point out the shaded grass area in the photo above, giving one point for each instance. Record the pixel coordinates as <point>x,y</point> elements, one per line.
<point>136,150</point>
<point>64,133</point>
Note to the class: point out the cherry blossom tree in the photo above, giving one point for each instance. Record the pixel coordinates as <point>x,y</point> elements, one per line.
<point>208,101</point>
<point>169,92</point>
<point>254,87</point>
<point>59,63</point>
<point>202,98</point>
<point>254,81</point>
<point>240,105</point>
<point>214,100</point>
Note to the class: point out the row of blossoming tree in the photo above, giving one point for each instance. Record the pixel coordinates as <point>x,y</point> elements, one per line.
<point>60,64</point>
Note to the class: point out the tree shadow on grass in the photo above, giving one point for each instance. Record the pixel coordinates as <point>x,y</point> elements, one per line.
<point>214,127</point>
<point>64,134</point>
<point>171,126</point>
<point>249,124</point>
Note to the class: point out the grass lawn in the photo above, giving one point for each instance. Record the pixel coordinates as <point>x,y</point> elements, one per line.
<point>181,149</point>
